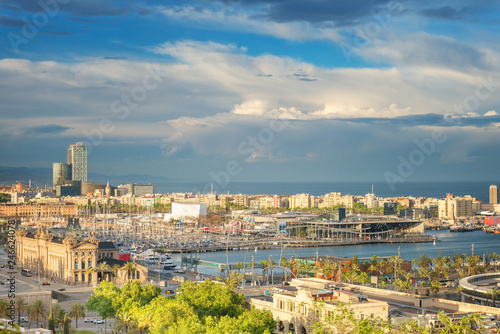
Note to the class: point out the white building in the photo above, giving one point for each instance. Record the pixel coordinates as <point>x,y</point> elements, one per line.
<point>184,210</point>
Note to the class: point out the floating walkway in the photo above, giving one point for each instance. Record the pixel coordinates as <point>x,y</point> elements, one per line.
<point>295,243</point>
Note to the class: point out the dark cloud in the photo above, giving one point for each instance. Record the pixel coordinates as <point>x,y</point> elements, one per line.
<point>428,120</point>
<point>58,33</point>
<point>10,22</point>
<point>86,8</point>
<point>445,12</point>
<point>115,58</point>
<point>53,129</point>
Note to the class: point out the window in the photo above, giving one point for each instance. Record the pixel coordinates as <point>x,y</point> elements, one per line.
<point>99,255</point>
<point>76,253</point>
<point>83,264</point>
<point>83,253</point>
<point>76,264</point>
<point>83,277</point>
<point>90,263</point>
<point>90,277</point>
<point>137,275</point>
<point>76,277</point>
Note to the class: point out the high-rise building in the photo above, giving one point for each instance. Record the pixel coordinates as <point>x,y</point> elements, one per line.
<point>144,189</point>
<point>61,173</point>
<point>77,157</point>
<point>493,194</point>
<point>390,208</point>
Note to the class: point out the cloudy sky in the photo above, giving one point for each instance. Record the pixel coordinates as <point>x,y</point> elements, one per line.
<point>254,89</point>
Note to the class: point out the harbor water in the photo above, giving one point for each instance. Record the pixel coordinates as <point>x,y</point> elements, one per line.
<point>448,244</point>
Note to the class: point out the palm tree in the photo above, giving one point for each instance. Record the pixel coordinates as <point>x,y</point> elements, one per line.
<point>124,321</point>
<point>143,321</point>
<point>435,285</point>
<point>77,311</point>
<point>494,256</point>
<point>89,271</point>
<point>328,268</point>
<point>115,268</point>
<point>307,267</point>
<point>425,274</point>
<point>363,276</point>
<point>22,306</point>
<point>129,269</point>
<point>37,310</point>
<point>239,266</point>
<point>286,265</point>
<point>102,268</point>
<point>4,308</point>
<point>58,313</point>
<point>383,284</point>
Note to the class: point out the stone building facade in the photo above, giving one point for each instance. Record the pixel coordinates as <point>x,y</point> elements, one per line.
<point>68,259</point>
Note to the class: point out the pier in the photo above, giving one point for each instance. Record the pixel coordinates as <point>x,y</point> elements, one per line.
<point>271,243</point>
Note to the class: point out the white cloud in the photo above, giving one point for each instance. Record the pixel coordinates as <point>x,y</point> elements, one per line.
<point>233,19</point>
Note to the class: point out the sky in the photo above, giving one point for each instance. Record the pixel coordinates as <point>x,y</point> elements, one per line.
<point>254,90</point>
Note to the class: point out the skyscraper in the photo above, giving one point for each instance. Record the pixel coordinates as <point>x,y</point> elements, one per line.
<point>77,157</point>
<point>493,194</point>
<point>61,172</point>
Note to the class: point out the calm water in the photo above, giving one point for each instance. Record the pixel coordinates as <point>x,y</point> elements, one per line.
<point>450,243</point>
<point>479,189</point>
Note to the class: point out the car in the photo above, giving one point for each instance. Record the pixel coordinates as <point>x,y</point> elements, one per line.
<point>61,289</point>
<point>396,313</point>
<point>98,321</point>
<point>89,320</point>
<point>23,319</point>
<point>169,291</point>
<point>45,283</point>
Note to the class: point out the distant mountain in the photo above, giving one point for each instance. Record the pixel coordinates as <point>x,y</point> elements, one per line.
<point>43,176</point>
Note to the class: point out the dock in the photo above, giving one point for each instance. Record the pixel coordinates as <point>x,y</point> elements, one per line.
<point>267,243</point>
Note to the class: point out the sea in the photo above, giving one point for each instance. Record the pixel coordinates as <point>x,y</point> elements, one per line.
<point>478,189</point>
<point>448,243</point>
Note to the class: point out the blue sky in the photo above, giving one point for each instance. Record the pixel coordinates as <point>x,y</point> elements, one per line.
<point>254,90</point>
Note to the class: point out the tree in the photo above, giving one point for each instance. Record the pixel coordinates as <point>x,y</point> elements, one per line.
<point>89,271</point>
<point>129,269</point>
<point>59,314</point>
<point>37,310</point>
<point>329,268</point>
<point>211,299</point>
<point>66,324</point>
<point>102,268</point>
<point>239,266</point>
<point>286,265</point>
<point>115,268</point>
<point>101,304</point>
<point>4,308</point>
<point>77,311</point>
<point>22,306</point>
<point>425,274</point>
<point>435,286</point>
<point>124,321</point>
<point>307,266</point>
<point>363,277</point>
<point>52,327</point>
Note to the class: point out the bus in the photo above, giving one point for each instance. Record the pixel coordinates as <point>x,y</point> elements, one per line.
<point>26,272</point>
